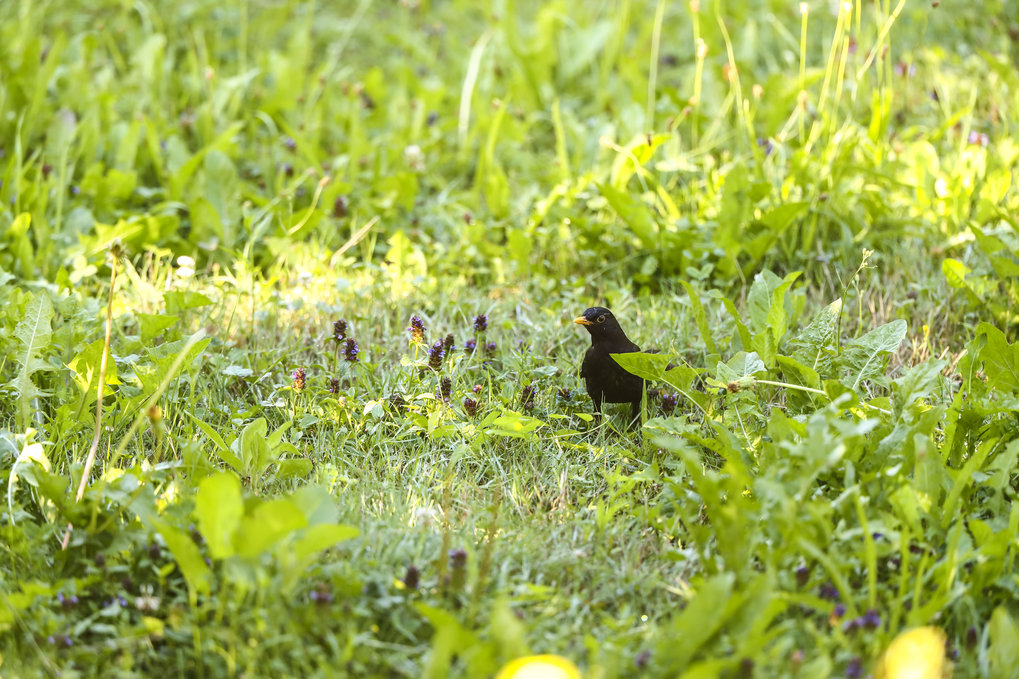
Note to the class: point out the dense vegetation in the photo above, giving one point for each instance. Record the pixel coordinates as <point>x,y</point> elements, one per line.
<point>321,261</point>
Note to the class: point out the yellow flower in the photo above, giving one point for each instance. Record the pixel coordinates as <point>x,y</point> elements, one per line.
<point>918,653</point>
<point>539,667</point>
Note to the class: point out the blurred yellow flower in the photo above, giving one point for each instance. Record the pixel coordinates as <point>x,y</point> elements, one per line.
<point>918,653</point>
<point>539,667</point>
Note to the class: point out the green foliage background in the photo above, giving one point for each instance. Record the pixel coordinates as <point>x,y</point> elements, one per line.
<point>808,208</point>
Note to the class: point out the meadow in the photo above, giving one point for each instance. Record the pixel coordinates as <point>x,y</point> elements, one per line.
<point>290,379</point>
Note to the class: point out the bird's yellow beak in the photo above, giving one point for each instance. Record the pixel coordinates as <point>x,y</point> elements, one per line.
<point>582,321</point>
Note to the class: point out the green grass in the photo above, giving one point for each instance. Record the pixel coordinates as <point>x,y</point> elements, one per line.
<point>720,175</point>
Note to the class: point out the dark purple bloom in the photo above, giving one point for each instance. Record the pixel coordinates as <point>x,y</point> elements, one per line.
<point>340,330</point>
<point>852,624</point>
<point>642,659</point>
<point>972,636</point>
<point>445,387</point>
<point>564,393</point>
<point>458,569</point>
<point>321,595</point>
<point>469,346</point>
<point>290,143</point>
<point>417,329</point>
<point>470,406</point>
<point>334,386</point>
<point>480,323</point>
<point>154,551</point>
<point>412,578</point>
<point>491,347</point>
<point>855,669</point>
<point>829,591</point>
<point>669,402</point>
<point>340,207</point>
<point>350,350</point>
<point>435,355</point>
<point>527,396</point>
<point>287,169</point>
<point>448,344</point>
<point>839,610</point>
<point>299,380</point>
<point>802,575</point>
<point>432,118</point>
<point>457,558</point>
<point>872,619</point>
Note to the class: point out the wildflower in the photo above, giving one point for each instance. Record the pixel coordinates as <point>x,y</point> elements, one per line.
<point>828,591</point>
<point>470,406</point>
<point>469,346</point>
<point>146,601</point>
<point>185,266</point>
<point>477,388</point>
<point>468,219</point>
<point>417,330</point>
<point>340,207</point>
<point>299,380</point>
<point>978,138</point>
<point>564,393</point>
<point>340,330</point>
<point>433,117</point>
<point>435,355</point>
<point>871,619</point>
<point>290,143</point>
<point>334,386</point>
<point>445,388</point>
<point>480,323</point>
<point>669,404</point>
<point>527,397</point>
<point>350,350</point>
<point>321,595</point>
<point>154,551</point>
<point>458,568</point>
<point>412,578</point>
<point>642,659</point>
<point>414,157</point>
<point>60,640</point>
<point>855,669</point>
<point>448,344</point>
<point>491,347</point>
<point>839,610</point>
<point>67,601</point>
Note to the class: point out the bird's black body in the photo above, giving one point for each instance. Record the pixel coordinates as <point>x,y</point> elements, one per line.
<point>606,380</point>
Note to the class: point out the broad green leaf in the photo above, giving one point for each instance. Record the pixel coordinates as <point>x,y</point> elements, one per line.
<point>1001,359</point>
<point>294,468</point>
<point>739,366</point>
<point>177,301</point>
<point>646,366</point>
<point>818,339</point>
<point>267,524</point>
<point>219,508</point>
<point>317,538</point>
<point>187,556</point>
<point>1003,647</point>
<point>253,448</point>
<point>34,334</point>
<point>152,326</point>
<point>85,367</point>
<point>695,624</point>
<point>636,214</point>
<point>915,383</point>
<point>514,424</point>
<point>797,373</point>
<point>863,358</point>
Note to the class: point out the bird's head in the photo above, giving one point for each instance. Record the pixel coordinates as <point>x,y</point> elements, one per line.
<point>600,322</point>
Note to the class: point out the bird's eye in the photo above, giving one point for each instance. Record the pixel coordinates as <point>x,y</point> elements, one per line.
<point>601,319</point>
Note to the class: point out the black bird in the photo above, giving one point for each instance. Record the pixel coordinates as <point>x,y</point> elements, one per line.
<point>606,380</point>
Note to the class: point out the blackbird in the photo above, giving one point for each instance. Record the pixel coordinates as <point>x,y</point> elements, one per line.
<point>606,380</point>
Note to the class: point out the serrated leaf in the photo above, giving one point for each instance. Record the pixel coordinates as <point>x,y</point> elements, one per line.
<point>739,366</point>
<point>915,383</point>
<point>816,342</point>
<point>34,333</point>
<point>1001,359</point>
<point>152,326</point>
<point>863,358</point>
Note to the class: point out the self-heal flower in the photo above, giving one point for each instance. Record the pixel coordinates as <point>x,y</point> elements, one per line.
<point>340,330</point>
<point>469,346</point>
<point>470,406</point>
<point>669,402</point>
<point>417,330</point>
<point>334,386</point>
<point>435,355</point>
<point>445,387</point>
<point>527,397</point>
<point>480,323</point>
<point>350,350</point>
<point>412,578</point>
<point>491,347</point>
<point>299,380</point>
<point>449,344</point>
